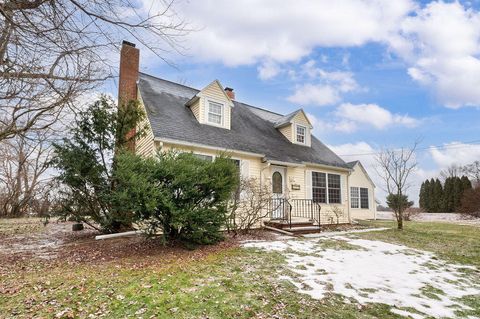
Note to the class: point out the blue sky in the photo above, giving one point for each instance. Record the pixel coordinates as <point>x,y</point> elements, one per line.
<point>370,73</point>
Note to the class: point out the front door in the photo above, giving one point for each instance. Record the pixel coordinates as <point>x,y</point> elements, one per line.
<point>278,190</point>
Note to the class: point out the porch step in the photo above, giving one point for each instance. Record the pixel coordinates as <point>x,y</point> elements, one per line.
<point>285,225</point>
<point>303,229</point>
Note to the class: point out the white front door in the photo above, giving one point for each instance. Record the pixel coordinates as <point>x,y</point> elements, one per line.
<point>278,190</point>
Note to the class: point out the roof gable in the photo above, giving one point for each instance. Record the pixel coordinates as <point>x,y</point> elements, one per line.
<point>298,115</point>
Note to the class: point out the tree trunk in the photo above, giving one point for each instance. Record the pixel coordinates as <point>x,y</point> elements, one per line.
<point>400,220</point>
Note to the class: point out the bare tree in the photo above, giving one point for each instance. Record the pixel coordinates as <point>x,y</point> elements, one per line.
<point>24,180</point>
<point>473,172</point>
<point>453,170</point>
<point>251,203</point>
<point>395,167</point>
<point>52,51</point>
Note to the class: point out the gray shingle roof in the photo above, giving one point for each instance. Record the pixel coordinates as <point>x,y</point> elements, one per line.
<point>252,129</point>
<point>286,118</point>
<point>352,164</point>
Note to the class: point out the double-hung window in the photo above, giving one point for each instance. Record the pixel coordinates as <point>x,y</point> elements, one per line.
<point>326,188</point>
<point>215,113</point>
<point>364,198</point>
<point>354,197</point>
<point>334,189</point>
<point>319,187</point>
<point>301,134</point>
<point>359,197</point>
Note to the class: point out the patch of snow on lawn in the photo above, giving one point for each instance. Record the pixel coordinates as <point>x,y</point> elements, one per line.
<point>377,272</point>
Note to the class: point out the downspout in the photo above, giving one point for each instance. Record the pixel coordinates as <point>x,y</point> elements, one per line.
<point>348,197</point>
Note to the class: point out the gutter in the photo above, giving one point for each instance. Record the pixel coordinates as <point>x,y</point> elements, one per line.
<point>213,148</point>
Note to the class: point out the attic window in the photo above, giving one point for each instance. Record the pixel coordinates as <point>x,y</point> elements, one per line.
<point>215,113</point>
<point>301,131</point>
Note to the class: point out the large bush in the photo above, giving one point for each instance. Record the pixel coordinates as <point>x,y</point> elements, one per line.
<point>85,161</point>
<point>177,193</point>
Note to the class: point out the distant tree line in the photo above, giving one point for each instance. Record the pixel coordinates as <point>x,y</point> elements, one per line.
<point>436,197</point>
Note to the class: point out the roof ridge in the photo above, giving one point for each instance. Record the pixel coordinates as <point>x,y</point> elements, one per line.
<point>162,79</point>
<point>189,87</point>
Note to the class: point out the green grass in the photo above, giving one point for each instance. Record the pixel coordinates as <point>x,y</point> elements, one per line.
<point>237,283</point>
<point>233,283</point>
<point>457,243</point>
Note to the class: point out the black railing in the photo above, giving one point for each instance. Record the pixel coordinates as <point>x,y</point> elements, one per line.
<point>286,209</point>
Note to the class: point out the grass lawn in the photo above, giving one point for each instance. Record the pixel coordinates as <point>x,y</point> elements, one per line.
<point>456,243</point>
<point>231,282</point>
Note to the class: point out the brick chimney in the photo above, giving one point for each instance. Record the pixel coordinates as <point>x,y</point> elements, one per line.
<point>129,64</point>
<point>128,77</point>
<point>230,93</point>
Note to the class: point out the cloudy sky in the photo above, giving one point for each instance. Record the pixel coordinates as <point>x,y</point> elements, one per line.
<point>371,74</point>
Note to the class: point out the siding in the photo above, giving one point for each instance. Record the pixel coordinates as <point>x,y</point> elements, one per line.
<point>359,179</point>
<point>301,119</point>
<point>287,132</point>
<point>145,146</point>
<point>196,110</point>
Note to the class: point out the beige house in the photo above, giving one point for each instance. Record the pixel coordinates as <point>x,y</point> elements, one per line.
<point>310,180</point>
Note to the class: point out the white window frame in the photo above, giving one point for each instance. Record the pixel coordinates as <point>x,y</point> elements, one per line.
<point>327,197</point>
<point>357,197</point>
<point>305,132</point>
<point>222,113</point>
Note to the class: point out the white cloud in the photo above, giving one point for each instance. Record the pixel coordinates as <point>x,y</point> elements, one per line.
<point>328,88</point>
<point>455,153</point>
<point>235,34</point>
<point>268,69</point>
<point>441,43</point>
<point>309,94</point>
<point>373,115</point>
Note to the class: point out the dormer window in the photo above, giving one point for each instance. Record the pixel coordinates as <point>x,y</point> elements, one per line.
<point>301,134</point>
<point>215,113</point>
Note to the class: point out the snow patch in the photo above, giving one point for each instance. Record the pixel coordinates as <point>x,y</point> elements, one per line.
<point>386,273</point>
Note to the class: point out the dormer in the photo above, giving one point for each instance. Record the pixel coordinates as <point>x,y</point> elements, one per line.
<point>213,105</point>
<point>296,127</point>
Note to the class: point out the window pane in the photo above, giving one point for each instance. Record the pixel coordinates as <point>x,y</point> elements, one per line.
<point>213,118</point>
<point>300,134</point>
<point>319,187</point>
<point>334,189</point>
<point>319,195</point>
<point>354,197</point>
<point>215,112</point>
<point>277,183</point>
<point>215,108</point>
<point>364,198</point>
<point>204,157</point>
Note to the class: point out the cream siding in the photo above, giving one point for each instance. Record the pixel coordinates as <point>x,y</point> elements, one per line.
<point>301,119</point>
<point>359,178</point>
<point>145,146</point>
<point>196,110</point>
<point>287,132</point>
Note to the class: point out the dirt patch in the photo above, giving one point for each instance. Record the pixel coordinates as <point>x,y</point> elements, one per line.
<point>56,244</point>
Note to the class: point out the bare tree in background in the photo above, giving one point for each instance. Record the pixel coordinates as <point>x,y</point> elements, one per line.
<point>24,180</point>
<point>52,51</point>
<point>473,172</point>
<point>395,167</point>
<point>453,170</point>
